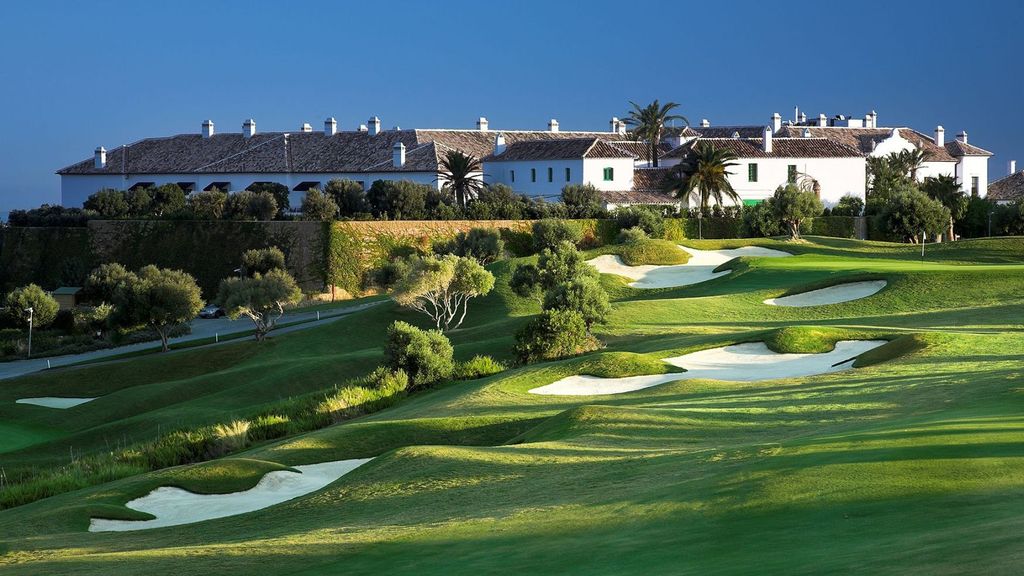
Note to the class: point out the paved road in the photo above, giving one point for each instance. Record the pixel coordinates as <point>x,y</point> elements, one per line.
<point>200,329</point>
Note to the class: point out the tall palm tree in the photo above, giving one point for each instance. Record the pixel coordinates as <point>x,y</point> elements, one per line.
<point>461,174</point>
<point>910,161</point>
<point>705,175</point>
<point>648,124</point>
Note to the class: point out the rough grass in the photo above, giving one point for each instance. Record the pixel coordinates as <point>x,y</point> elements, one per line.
<point>913,463</point>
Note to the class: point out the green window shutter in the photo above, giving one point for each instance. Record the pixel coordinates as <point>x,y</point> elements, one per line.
<point>609,174</point>
<point>533,174</point>
<point>551,174</point>
<point>751,172</point>
<point>512,175</point>
<point>568,174</point>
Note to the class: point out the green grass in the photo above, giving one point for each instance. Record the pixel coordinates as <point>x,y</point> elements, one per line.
<point>652,251</point>
<point>913,463</point>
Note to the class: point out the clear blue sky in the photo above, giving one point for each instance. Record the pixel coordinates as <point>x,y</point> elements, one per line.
<point>75,75</point>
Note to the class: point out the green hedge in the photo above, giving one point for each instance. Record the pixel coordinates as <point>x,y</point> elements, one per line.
<point>50,257</point>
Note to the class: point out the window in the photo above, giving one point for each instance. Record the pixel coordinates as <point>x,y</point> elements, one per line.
<point>751,172</point>
<point>551,174</point>
<point>568,174</point>
<point>609,174</point>
<point>974,185</point>
<point>512,176</point>
<point>791,174</point>
<point>533,174</point>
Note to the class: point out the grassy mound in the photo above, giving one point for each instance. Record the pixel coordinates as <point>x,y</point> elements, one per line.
<point>619,365</point>
<point>652,251</point>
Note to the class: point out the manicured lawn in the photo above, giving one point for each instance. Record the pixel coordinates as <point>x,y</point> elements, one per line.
<point>910,464</point>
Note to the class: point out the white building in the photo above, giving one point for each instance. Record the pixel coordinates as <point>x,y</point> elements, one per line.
<point>1009,188</point>
<point>830,153</point>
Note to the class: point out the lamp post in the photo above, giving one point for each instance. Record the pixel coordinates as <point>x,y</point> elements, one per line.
<point>30,313</point>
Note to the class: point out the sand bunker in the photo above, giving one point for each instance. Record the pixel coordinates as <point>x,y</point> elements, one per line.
<point>700,267</point>
<point>831,295</point>
<point>739,363</point>
<point>173,506</point>
<point>54,402</point>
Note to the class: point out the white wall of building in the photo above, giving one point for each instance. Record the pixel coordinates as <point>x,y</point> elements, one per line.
<point>76,188</point>
<point>838,177</point>
<point>973,166</point>
<point>581,171</point>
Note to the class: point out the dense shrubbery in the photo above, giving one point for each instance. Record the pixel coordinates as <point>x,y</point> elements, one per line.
<point>425,355</point>
<point>554,334</point>
<point>482,244</point>
<point>648,220</point>
<point>549,233</point>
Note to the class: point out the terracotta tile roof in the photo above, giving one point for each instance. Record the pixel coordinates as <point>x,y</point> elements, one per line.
<point>865,139</point>
<point>563,149</point>
<point>639,148</point>
<point>957,148</point>
<point>1007,189</point>
<point>650,179</point>
<point>313,152</point>
<point>781,148</point>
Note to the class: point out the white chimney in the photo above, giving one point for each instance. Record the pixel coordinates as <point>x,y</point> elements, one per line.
<point>207,128</point>
<point>330,127</point>
<point>481,124</point>
<point>305,127</point>
<point>552,125</point>
<point>962,136</point>
<point>363,128</point>
<point>776,122</point>
<point>1012,167</point>
<point>613,125</point>
<point>796,113</point>
<point>100,159</point>
<point>499,144</point>
<point>249,128</point>
<point>396,127</point>
<point>767,141</point>
<point>874,119</point>
<point>374,124</point>
<point>940,136</point>
<point>822,120</point>
<point>398,155</point>
<point>705,123</point>
<point>803,118</point>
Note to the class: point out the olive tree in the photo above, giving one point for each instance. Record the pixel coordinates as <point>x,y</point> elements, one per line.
<point>260,298</point>
<point>318,206</point>
<point>441,287</point>
<point>262,260</point>
<point>159,298</point>
<point>791,206</point>
<point>103,282</point>
<point>911,213</point>
<point>20,300</point>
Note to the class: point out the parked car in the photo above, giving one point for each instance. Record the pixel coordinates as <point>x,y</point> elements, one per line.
<point>211,311</point>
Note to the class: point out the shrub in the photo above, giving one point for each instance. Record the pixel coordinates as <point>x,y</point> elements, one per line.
<point>208,205</point>
<point>651,222</point>
<point>268,427</point>
<point>483,244</point>
<point>230,437</point>
<point>108,203</point>
<point>584,295</point>
<point>759,221</point>
<point>477,367</point>
<point>348,195</point>
<point>103,282</point>
<point>425,355</point>
<point>550,233</point>
<point>582,201</point>
<point>632,234</point>
<point>401,200</point>
<point>910,212</point>
<point>385,276</point>
<point>248,205</point>
<point>262,260</point>
<point>44,307</point>
<point>848,205</point>
<point>554,334</point>
<point>791,206</point>
<point>389,381</point>
<point>318,206</point>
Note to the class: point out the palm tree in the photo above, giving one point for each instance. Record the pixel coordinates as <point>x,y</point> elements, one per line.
<point>910,161</point>
<point>704,176</point>
<point>648,123</point>
<point>461,174</point>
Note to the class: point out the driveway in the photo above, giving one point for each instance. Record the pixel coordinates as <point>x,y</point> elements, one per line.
<point>201,328</point>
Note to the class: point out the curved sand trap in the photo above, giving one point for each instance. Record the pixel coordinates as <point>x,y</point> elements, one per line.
<point>738,363</point>
<point>700,267</point>
<point>54,402</point>
<point>830,295</point>
<point>173,506</point>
